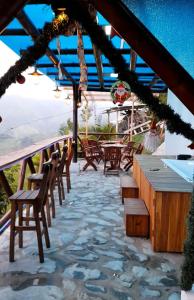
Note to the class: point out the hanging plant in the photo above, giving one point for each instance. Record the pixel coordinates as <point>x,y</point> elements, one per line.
<point>78,10</point>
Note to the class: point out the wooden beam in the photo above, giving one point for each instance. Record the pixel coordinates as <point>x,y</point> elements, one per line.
<point>34,33</point>
<point>76,65</point>
<point>149,48</point>
<point>5,184</point>
<point>86,51</point>
<point>8,11</point>
<point>96,88</point>
<point>146,75</point>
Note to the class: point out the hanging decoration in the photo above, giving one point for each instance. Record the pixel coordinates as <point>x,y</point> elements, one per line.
<point>152,137</point>
<point>78,10</point>
<point>120,92</point>
<point>20,79</point>
<point>83,82</point>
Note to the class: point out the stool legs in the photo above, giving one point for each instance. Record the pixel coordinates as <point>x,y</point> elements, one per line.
<point>45,228</point>
<point>12,232</point>
<point>20,223</point>
<point>38,233</point>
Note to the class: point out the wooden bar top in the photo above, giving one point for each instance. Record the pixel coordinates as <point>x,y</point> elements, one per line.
<point>162,178</point>
<point>6,161</point>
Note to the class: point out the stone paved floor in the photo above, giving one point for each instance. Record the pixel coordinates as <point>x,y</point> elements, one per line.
<point>90,257</point>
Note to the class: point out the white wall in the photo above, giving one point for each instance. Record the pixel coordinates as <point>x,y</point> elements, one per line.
<point>177,144</point>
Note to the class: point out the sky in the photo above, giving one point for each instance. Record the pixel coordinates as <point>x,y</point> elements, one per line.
<point>31,111</point>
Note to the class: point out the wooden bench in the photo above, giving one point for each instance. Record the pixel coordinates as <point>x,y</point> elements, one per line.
<point>129,188</point>
<point>136,217</point>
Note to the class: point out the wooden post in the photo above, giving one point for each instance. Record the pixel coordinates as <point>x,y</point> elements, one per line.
<point>75,121</point>
<point>117,122</point>
<point>22,174</point>
<point>5,184</point>
<point>31,165</point>
<point>132,115</point>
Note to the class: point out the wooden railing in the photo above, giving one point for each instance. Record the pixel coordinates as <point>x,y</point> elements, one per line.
<point>108,136</point>
<point>24,158</point>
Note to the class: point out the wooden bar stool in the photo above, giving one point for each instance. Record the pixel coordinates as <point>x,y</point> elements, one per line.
<point>36,199</point>
<point>66,167</point>
<point>35,181</point>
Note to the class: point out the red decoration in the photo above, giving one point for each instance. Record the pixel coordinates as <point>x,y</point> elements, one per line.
<point>20,79</point>
<point>191,146</point>
<point>120,92</point>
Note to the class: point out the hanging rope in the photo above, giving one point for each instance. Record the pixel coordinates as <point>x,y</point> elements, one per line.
<point>60,74</point>
<point>83,82</point>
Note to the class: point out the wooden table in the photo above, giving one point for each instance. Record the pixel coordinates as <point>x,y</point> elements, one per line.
<point>167,196</point>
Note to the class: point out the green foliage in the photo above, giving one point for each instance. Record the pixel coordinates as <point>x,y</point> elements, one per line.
<point>66,128</point>
<point>12,177</point>
<point>187,275</point>
<point>86,112</point>
<point>163,98</point>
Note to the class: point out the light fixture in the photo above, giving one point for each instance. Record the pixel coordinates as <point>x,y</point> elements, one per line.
<point>35,72</point>
<point>107,29</point>
<point>36,75</point>
<point>114,75</point>
<point>57,91</point>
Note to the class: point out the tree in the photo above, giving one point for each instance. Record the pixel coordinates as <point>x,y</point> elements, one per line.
<point>85,115</point>
<point>66,128</point>
<point>187,275</point>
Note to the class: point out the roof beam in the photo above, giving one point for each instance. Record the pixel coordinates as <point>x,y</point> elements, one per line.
<point>147,82</point>
<point>96,88</point>
<point>34,33</point>
<point>76,65</point>
<point>86,51</point>
<point>96,74</point>
<point>149,48</point>
<point>8,11</point>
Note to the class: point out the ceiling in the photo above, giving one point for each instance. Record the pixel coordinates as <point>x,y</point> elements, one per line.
<point>20,33</point>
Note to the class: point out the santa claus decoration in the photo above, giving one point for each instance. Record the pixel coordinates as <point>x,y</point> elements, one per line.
<point>120,92</point>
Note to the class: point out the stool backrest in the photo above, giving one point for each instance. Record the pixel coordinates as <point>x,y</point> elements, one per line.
<point>54,161</point>
<point>43,191</point>
<point>63,160</point>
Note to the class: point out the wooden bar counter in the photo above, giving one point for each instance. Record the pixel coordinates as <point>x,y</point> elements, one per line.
<point>167,197</point>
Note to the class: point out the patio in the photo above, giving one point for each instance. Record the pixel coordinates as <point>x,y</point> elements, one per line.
<point>90,256</point>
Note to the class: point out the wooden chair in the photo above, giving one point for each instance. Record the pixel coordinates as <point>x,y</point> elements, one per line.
<point>127,155</point>
<point>112,160</point>
<point>35,181</point>
<point>36,199</point>
<point>96,150</point>
<point>137,150</point>
<point>89,153</point>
